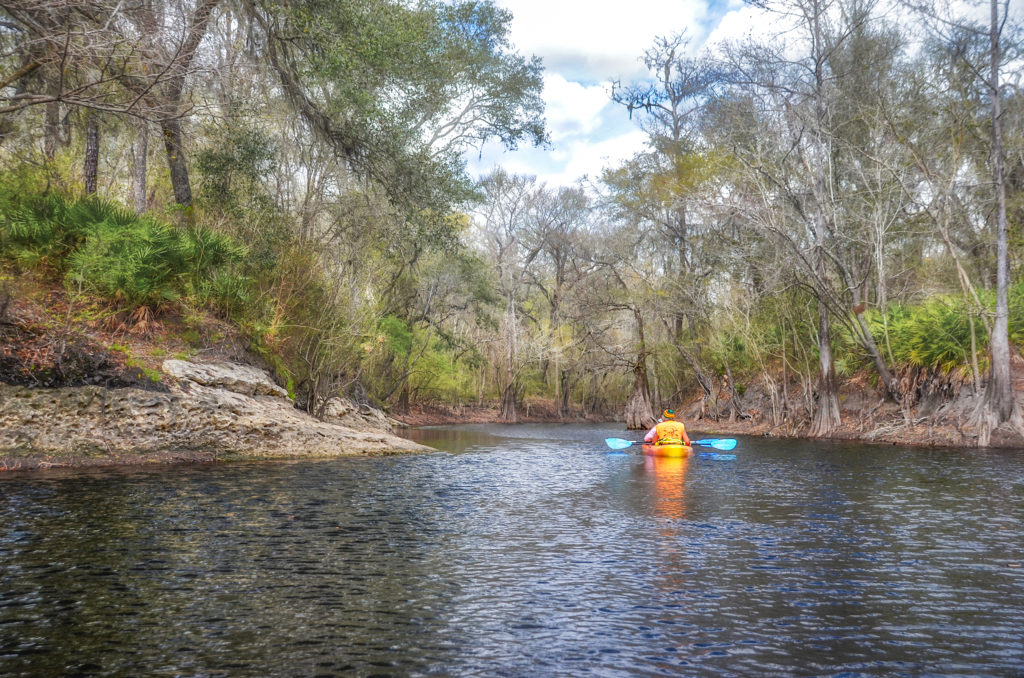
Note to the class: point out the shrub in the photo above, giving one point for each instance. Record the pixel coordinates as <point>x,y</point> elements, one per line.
<point>37,232</point>
<point>102,247</point>
<point>139,265</point>
<point>207,250</point>
<point>935,334</point>
<point>227,292</point>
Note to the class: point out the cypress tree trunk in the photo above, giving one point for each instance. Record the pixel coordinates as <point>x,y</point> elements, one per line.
<point>176,161</point>
<point>140,149</point>
<point>999,405</point>
<point>563,396</point>
<point>638,405</point>
<point>509,411</point>
<point>92,153</point>
<point>826,413</point>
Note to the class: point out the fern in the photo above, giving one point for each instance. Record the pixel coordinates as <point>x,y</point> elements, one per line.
<point>39,232</point>
<point>102,247</point>
<point>227,292</point>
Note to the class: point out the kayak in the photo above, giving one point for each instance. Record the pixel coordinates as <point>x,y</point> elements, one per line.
<point>667,450</point>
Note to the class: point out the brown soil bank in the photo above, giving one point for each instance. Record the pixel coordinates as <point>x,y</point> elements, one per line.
<point>938,411</point>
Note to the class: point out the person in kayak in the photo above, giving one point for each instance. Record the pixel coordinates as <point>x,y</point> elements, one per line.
<point>668,431</point>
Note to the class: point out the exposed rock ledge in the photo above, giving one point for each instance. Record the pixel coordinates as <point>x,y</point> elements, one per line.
<point>242,379</point>
<point>193,421</point>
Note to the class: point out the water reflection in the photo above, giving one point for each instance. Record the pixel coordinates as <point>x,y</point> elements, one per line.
<point>669,490</point>
<point>675,571</point>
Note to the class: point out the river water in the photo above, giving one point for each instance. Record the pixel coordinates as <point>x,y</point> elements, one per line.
<point>522,551</point>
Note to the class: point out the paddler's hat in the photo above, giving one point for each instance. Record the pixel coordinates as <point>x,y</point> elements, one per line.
<point>670,414</point>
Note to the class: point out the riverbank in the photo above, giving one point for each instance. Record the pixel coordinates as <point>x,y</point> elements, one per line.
<point>75,403</point>
<point>97,426</point>
<point>207,412</point>
<point>115,390</point>
<point>218,410</point>
<point>867,417</point>
<point>80,386</point>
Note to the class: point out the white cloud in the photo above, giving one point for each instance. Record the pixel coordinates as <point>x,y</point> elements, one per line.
<point>585,44</point>
<point>567,163</point>
<point>740,24</point>
<point>588,131</point>
<point>589,158</point>
<point>591,40</point>
<point>573,107</point>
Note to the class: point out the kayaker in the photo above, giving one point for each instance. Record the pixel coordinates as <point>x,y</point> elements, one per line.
<point>668,431</point>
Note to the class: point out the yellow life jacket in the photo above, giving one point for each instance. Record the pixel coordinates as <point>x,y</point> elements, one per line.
<point>669,433</point>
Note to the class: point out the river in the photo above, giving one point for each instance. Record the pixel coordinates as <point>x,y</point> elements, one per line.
<point>521,551</point>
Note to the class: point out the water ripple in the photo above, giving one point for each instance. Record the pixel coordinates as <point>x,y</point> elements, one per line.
<point>526,551</point>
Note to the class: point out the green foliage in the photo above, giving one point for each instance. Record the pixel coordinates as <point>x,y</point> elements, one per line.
<point>21,181</point>
<point>396,333</point>
<point>100,246</point>
<point>441,375</point>
<point>306,326</point>
<point>138,265</point>
<point>935,334</point>
<point>477,283</point>
<point>731,347</point>
<point>44,230</point>
<point>227,292</point>
<point>1016,320</point>
<point>388,85</point>
<point>214,275</point>
<point>205,250</point>
<point>233,167</point>
<point>846,365</point>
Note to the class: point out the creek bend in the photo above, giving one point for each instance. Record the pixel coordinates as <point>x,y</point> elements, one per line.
<point>521,550</point>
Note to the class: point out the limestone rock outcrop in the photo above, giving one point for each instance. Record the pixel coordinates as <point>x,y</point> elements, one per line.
<point>194,421</point>
<point>243,379</point>
<point>346,412</point>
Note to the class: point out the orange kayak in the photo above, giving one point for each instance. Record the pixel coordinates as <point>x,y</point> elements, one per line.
<point>668,450</point>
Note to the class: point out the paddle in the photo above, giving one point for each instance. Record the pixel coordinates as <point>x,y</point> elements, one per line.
<point>723,444</point>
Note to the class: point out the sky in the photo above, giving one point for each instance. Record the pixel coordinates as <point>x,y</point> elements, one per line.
<point>585,45</point>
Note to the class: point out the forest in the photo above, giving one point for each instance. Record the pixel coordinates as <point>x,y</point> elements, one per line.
<point>841,202</point>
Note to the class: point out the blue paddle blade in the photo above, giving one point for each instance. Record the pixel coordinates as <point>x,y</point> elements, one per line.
<point>717,457</point>
<point>724,444</point>
<point>617,443</point>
